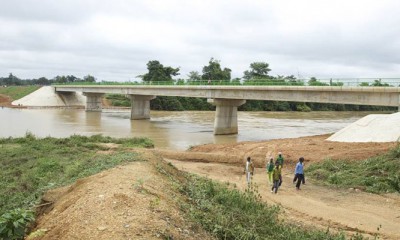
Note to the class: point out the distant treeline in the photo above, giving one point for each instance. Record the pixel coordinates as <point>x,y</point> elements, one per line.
<point>13,80</point>
<point>201,104</point>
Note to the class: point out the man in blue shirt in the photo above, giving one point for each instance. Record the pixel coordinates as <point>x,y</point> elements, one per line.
<point>299,173</point>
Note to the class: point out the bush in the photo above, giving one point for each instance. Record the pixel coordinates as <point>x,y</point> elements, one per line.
<point>13,223</point>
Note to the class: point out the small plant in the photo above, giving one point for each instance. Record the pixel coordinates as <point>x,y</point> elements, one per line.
<point>13,223</point>
<point>138,185</point>
<point>154,203</point>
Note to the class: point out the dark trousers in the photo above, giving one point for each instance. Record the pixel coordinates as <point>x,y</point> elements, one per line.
<point>300,178</point>
<point>303,180</point>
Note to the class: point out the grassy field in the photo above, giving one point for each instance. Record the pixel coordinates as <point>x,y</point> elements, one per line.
<point>377,175</point>
<point>17,92</point>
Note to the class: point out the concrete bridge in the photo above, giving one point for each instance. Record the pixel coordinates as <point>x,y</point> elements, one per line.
<point>228,98</point>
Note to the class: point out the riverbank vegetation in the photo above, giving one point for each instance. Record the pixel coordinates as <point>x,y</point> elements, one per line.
<point>17,92</point>
<point>29,166</point>
<point>200,104</point>
<point>379,174</point>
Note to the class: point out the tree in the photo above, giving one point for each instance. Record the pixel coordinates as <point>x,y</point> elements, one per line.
<point>157,72</point>
<point>89,78</point>
<point>314,82</point>
<point>214,72</point>
<point>43,81</point>
<point>258,70</point>
<point>71,78</point>
<point>378,83</point>
<point>194,76</point>
<point>60,79</point>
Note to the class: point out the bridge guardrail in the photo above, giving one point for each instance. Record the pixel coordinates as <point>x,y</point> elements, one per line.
<point>373,82</point>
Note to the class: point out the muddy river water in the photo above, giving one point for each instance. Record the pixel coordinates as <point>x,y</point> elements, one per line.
<point>173,130</point>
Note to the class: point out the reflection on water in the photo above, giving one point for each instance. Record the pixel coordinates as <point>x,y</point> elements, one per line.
<point>175,130</point>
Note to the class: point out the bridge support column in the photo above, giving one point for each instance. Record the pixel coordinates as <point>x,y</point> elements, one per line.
<point>140,106</point>
<point>226,115</point>
<point>93,102</point>
<point>398,107</point>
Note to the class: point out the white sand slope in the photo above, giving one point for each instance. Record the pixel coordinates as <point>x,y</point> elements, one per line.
<point>47,97</point>
<point>371,128</point>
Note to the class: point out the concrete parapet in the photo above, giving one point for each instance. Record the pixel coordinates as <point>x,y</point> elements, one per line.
<point>93,101</point>
<point>226,115</point>
<point>140,106</point>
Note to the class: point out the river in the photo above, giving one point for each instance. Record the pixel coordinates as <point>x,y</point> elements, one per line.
<point>172,130</point>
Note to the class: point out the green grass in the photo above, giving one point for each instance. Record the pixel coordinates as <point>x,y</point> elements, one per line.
<point>228,213</point>
<point>17,92</point>
<point>377,175</point>
<point>29,166</point>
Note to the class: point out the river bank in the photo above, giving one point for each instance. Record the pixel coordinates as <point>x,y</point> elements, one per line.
<point>134,195</point>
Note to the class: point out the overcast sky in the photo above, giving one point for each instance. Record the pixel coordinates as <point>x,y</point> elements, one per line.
<point>114,40</point>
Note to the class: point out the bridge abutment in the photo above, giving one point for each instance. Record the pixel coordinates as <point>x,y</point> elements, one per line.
<point>140,106</point>
<point>226,115</point>
<point>93,102</point>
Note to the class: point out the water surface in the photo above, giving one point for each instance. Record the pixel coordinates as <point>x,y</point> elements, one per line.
<point>174,130</point>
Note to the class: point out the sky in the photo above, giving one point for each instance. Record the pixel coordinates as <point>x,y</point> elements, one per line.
<point>114,40</point>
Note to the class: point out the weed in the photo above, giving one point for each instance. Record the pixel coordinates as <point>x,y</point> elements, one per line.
<point>377,175</point>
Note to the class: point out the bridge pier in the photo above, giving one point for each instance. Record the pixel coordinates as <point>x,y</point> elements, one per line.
<point>140,106</point>
<point>226,115</point>
<point>93,102</point>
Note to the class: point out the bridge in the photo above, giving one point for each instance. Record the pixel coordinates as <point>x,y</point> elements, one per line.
<point>228,98</point>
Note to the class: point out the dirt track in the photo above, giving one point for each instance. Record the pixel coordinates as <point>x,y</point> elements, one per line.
<point>347,210</point>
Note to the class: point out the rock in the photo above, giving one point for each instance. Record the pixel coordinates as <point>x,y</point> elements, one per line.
<point>101,228</point>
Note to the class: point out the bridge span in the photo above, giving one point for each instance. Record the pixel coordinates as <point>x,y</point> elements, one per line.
<point>228,98</point>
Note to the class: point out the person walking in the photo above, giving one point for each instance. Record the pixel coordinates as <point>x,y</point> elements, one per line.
<point>299,173</point>
<point>249,170</point>
<point>276,176</point>
<point>270,168</point>
<point>280,159</point>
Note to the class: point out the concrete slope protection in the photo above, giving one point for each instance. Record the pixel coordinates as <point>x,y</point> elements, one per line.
<point>371,128</point>
<point>47,97</point>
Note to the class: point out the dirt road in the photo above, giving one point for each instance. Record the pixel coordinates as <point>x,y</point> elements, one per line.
<point>348,210</point>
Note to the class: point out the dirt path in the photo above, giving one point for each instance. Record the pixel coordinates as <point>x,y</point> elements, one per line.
<point>348,210</point>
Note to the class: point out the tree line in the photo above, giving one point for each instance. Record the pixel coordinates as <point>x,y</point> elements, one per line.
<point>13,80</point>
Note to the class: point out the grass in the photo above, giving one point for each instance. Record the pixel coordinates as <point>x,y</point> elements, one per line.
<point>29,166</point>
<point>228,213</point>
<point>17,92</point>
<point>377,175</point>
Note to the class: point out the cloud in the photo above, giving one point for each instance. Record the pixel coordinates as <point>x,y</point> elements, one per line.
<point>114,40</point>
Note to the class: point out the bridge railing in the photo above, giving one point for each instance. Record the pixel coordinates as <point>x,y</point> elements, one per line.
<point>376,82</point>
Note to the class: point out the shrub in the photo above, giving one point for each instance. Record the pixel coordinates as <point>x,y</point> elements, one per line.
<point>13,223</point>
